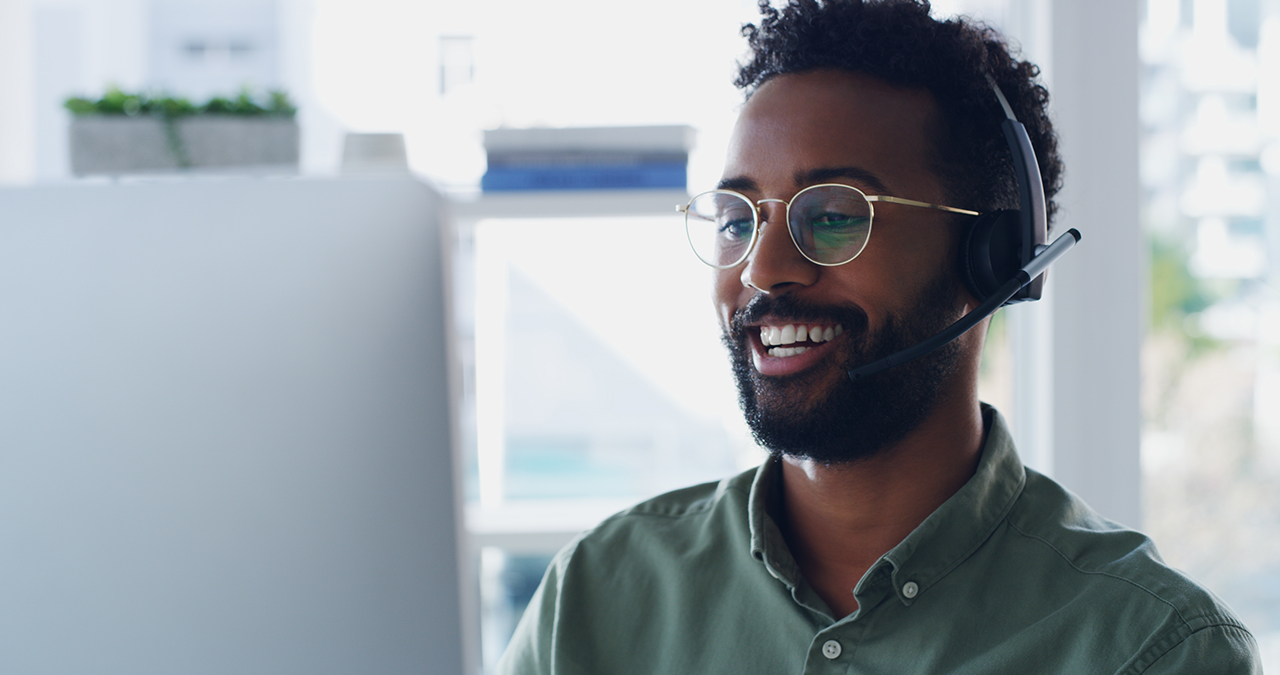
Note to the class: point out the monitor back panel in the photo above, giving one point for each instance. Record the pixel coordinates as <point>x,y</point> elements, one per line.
<point>225,430</point>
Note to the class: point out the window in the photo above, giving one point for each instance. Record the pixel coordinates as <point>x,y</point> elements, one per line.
<point>596,378</point>
<point>1211,357</point>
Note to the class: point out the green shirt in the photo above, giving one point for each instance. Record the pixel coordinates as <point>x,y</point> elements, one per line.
<point>1013,574</point>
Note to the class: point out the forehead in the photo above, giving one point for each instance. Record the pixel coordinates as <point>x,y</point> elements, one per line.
<point>796,124</point>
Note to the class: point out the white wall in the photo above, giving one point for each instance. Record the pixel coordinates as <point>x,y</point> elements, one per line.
<point>17,147</point>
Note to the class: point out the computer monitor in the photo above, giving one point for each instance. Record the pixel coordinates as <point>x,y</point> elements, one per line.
<point>225,430</point>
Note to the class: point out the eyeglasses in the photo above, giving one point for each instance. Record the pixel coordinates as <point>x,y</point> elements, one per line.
<point>829,223</point>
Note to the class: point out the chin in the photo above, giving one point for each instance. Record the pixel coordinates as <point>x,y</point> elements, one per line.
<point>822,415</point>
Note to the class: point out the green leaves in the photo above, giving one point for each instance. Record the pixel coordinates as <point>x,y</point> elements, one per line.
<point>116,102</point>
<point>1175,292</point>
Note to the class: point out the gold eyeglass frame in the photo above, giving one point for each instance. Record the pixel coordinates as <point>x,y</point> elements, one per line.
<point>756,220</point>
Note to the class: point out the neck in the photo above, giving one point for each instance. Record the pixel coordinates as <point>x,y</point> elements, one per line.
<point>840,519</point>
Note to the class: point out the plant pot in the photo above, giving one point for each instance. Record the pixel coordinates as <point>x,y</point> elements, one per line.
<point>112,145</point>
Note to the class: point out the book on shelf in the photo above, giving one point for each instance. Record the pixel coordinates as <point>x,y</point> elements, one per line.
<point>587,158</point>
<point>594,177</point>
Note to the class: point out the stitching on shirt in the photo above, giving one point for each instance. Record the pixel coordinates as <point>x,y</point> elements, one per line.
<point>675,510</point>
<point>1193,626</point>
<point>1081,570</point>
<point>671,511</point>
<point>1141,664</point>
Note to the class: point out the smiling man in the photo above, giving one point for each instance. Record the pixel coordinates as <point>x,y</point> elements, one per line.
<point>893,528</point>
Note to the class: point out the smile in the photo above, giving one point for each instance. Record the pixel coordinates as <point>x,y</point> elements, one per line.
<point>794,340</point>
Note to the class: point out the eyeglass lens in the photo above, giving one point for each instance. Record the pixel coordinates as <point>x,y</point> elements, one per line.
<point>830,225</point>
<point>721,227</point>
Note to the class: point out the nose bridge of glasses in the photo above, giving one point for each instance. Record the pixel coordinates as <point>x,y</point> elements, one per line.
<point>764,235</point>
<point>761,209</point>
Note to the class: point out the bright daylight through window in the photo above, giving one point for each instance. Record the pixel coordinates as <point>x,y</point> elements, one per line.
<point>1211,360</point>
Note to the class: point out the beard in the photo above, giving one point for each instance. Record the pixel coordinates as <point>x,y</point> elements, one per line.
<point>793,416</point>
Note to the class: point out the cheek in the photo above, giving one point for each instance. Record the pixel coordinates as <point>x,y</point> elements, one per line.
<point>909,258</point>
<point>909,246</point>
<point>726,292</point>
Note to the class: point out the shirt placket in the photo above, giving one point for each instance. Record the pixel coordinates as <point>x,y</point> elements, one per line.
<point>834,649</point>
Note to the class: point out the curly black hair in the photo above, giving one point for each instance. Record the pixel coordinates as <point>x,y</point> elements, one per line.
<point>899,42</point>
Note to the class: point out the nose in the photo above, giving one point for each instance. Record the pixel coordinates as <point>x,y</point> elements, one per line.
<point>775,264</point>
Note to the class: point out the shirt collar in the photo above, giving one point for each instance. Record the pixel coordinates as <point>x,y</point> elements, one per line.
<point>767,544</point>
<point>944,540</point>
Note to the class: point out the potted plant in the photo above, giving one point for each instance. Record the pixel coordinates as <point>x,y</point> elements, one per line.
<point>133,132</point>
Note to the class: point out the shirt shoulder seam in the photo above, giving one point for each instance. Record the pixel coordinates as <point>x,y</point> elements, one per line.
<point>1073,565</point>
<point>666,509</point>
<point>1172,635</point>
<point>1159,650</point>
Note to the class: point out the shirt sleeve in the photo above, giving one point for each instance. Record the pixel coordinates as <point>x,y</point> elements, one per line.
<point>1219,649</point>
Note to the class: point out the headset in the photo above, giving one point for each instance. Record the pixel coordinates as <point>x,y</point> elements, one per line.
<point>997,244</point>
<point>1003,256</point>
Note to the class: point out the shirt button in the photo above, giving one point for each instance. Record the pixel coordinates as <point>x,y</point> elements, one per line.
<point>910,589</point>
<point>831,649</point>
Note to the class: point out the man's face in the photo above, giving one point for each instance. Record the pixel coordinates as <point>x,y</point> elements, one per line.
<point>836,127</point>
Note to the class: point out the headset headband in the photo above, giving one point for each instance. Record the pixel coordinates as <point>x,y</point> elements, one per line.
<point>1033,220</point>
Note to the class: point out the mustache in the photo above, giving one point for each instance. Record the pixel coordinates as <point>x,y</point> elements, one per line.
<point>852,317</point>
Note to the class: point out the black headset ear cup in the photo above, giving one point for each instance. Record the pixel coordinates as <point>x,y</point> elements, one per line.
<point>989,252</point>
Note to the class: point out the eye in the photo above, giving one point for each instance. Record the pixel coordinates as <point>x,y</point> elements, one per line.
<point>735,220</point>
<point>834,222</point>
<point>834,237</point>
<point>736,226</point>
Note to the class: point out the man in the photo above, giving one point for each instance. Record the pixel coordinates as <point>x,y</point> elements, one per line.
<point>893,529</point>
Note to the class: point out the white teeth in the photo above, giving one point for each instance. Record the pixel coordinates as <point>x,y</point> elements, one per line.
<point>774,336</point>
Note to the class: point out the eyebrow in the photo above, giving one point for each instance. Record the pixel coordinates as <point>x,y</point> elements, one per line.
<point>737,184</point>
<point>812,177</point>
<point>856,174</point>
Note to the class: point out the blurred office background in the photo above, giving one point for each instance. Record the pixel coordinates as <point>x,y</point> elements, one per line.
<point>1148,380</point>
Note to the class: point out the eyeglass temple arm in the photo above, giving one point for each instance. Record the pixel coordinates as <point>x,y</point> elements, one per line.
<point>684,208</point>
<point>912,202</point>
